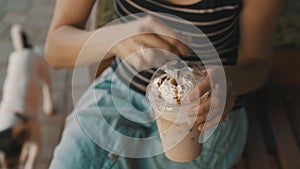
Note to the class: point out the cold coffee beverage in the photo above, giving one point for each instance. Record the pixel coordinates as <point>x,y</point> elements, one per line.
<point>168,94</point>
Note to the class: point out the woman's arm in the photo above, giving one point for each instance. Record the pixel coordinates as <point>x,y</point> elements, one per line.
<point>66,34</point>
<point>258,23</point>
<point>66,38</point>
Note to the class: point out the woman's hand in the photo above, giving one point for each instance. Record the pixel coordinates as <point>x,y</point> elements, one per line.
<point>215,95</point>
<point>151,44</point>
<point>85,47</point>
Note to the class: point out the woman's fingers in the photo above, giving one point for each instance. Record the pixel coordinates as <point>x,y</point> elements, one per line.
<point>197,117</point>
<point>205,111</point>
<point>216,115</point>
<point>177,44</point>
<point>211,123</point>
<point>220,101</point>
<point>202,88</point>
<point>167,34</point>
<point>138,62</point>
<point>151,24</point>
<point>210,108</point>
<point>155,45</point>
<point>205,106</point>
<point>156,57</point>
<point>154,41</point>
<point>150,49</point>
<point>134,57</point>
<point>152,34</point>
<point>214,118</point>
<point>208,116</point>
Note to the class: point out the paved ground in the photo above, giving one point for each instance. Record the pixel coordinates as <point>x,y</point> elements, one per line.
<point>35,17</point>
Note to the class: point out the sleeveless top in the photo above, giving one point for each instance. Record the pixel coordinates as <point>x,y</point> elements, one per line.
<point>218,20</point>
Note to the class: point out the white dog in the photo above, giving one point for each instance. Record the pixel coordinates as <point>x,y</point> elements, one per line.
<point>27,79</point>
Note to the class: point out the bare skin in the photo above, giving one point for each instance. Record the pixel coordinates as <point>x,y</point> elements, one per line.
<point>257,30</point>
<point>254,60</point>
<point>66,34</point>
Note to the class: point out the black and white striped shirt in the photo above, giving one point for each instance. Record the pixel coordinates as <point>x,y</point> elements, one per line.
<point>217,19</point>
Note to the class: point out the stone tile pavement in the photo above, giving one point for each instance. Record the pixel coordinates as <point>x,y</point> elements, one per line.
<point>35,17</point>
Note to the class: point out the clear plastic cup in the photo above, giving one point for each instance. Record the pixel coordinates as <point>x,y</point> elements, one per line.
<point>175,113</point>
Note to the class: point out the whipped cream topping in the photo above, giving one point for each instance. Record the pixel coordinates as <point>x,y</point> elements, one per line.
<point>168,90</point>
<point>173,83</point>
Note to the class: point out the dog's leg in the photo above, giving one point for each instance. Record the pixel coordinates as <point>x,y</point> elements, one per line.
<point>47,99</point>
<point>32,149</point>
<point>24,154</point>
<point>48,107</point>
<point>2,161</point>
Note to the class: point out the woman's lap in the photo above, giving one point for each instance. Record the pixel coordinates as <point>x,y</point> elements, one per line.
<point>221,150</point>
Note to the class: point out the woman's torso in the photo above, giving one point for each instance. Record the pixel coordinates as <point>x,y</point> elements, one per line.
<point>218,20</point>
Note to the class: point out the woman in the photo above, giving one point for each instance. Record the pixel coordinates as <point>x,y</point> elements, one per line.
<point>242,32</point>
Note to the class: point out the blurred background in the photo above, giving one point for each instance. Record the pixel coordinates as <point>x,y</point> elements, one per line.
<point>35,17</point>
<point>274,111</point>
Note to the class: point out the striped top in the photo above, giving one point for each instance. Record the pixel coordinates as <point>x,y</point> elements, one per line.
<point>217,19</point>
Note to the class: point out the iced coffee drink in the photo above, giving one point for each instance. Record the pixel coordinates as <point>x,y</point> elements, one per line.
<point>168,94</point>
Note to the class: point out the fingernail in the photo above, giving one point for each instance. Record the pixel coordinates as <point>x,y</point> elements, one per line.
<point>200,127</point>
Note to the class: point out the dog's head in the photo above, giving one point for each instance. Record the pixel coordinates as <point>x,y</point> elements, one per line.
<point>11,143</point>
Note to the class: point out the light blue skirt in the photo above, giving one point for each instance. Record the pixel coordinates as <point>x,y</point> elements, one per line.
<point>111,128</point>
